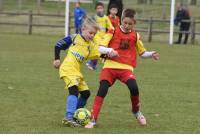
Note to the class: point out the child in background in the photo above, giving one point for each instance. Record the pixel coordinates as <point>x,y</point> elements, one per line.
<point>81,48</point>
<point>127,43</point>
<point>105,26</point>
<point>119,4</point>
<point>79,15</point>
<point>113,15</point>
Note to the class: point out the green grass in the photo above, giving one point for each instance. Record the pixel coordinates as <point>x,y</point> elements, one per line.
<point>32,98</point>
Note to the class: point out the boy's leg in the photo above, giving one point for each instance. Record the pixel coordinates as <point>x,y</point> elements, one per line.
<point>186,29</point>
<point>94,63</point>
<point>84,95</point>
<point>102,92</point>
<point>71,105</point>
<point>132,85</point>
<point>98,102</point>
<point>134,92</point>
<point>186,38</point>
<point>179,38</point>
<point>91,64</point>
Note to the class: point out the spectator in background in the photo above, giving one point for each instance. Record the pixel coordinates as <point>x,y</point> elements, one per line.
<point>79,15</point>
<point>119,6</point>
<point>182,14</point>
<point>113,15</point>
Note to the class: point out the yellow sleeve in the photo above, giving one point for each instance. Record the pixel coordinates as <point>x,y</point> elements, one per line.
<point>108,23</point>
<point>106,39</point>
<point>94,52</point>
<point>139,45</point>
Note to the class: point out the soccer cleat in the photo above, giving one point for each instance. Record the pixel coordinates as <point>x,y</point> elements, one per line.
<point>91,124</point>
<point>140,118</point>
<point>70,123</point>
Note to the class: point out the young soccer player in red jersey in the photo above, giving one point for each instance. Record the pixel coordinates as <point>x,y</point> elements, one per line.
<point>113,15</point>
<point>127,43</point>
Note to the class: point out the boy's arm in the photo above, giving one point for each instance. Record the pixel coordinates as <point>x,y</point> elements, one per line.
<point>61,45</point>
<point>108,51</point>
<point>143,52</point>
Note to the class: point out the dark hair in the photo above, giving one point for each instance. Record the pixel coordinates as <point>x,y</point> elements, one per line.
<point>119,4</point>
<point>113,6</point>
<point>128,13</point>
<point>99,4</point>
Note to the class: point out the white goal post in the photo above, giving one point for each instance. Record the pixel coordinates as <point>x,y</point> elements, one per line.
<point>171,34</point>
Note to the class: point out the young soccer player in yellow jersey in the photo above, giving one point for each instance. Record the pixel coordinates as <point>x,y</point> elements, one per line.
<point>81,48</point>
<point>128,44</point>
<point>105,26</point>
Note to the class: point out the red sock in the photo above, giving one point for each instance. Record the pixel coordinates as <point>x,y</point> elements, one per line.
<point>98,101</point>
<point>135,104</point>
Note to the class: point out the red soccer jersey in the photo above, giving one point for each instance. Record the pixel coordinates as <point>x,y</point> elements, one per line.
<point>125,45</point>
<point>114,20</point>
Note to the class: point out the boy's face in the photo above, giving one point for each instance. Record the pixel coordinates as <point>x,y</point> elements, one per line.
<point>88,32</point>
<point>113,11</point>
<point>128,23</point>
<point>77,4</point>
<point>100,10</point>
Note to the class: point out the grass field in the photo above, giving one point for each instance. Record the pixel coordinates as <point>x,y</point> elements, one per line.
<point>32,98</point>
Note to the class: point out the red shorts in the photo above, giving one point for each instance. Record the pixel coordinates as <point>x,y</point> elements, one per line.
<point>111,75</point>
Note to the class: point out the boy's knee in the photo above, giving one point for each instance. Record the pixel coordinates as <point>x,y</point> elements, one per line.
<point>103,89</point>
<point>133,87</point>
<point>73,90</point>
<point>85,94</point>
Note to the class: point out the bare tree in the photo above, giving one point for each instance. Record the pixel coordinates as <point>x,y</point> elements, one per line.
<point>193,2</point>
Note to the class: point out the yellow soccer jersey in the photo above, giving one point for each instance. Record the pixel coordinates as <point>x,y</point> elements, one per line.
<point>78,52</point>
<point>113,64</point>
<point>104,24</point>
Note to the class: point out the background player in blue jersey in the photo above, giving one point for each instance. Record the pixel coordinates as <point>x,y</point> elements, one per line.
<point>79,15</point>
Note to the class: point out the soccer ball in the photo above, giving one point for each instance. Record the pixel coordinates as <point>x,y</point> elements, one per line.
<point>82,116</point>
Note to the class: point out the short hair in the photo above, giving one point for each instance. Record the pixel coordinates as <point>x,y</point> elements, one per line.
<point>89,21</point>
<point>128,13</point>
<point>113,6</point>
<point>99,4</point>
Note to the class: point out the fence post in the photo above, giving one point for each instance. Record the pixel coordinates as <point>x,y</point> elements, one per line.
<point>193,30</point>
<point>30,19</point>
<point>164,9</point>
<point>150,29</point>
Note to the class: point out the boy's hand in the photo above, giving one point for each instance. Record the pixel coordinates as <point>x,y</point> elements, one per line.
<point>156,56</point>
<point>56,63</point>
<point>113,53</point>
